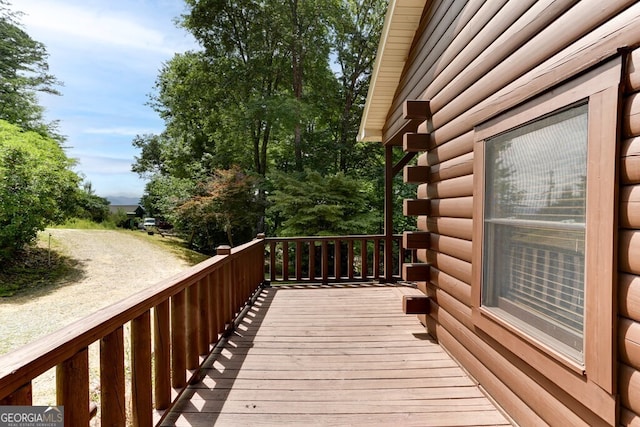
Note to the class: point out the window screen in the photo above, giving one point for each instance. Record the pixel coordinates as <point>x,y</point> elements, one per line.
<point>534,228</point>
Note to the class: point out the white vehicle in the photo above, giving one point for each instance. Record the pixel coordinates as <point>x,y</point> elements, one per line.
<point>149,224</point>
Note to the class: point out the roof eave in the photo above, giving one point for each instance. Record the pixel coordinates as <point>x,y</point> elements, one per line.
<point>382,90</point>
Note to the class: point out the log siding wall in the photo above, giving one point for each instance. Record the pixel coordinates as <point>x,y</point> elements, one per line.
<point>629,250</point>
<point>475,60</point>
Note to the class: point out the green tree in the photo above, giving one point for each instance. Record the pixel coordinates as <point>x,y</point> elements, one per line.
<point>356,33</point>
<point>24,72</point>
<point>312,204</point>
<point>277,87</point>
<point>37,186</point>
<point>89,205</point>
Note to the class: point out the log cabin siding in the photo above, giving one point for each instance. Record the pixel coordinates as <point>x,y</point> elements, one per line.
<point>629,249</point>
<point>513,52</point>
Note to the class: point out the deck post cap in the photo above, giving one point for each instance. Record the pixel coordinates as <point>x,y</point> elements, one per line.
<point>223,250</point>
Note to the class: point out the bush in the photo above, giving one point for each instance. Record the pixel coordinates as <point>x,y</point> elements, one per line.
<point>37,186</point>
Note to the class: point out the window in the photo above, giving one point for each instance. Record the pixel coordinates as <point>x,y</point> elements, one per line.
<point>534,228</point>
<point>544,236</point>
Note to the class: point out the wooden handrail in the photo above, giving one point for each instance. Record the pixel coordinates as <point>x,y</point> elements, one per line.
<point>333,259</point>
<point>203,300</point>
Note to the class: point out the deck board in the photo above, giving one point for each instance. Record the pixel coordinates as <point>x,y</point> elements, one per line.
<point>332,356</point>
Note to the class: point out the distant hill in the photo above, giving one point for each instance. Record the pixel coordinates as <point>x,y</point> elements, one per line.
<point>123,200</point>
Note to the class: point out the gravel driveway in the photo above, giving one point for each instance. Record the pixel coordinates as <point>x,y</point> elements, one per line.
<point>113,266</point>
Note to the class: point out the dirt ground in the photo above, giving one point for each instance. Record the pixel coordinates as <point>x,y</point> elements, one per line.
<point>112,266</point>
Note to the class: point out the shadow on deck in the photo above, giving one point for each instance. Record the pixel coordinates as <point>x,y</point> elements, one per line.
<point>332,355</point>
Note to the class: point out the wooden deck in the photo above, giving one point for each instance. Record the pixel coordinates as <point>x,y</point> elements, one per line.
<point>337,355</point>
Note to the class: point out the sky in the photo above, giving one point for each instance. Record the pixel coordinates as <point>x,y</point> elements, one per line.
<point>108,54</point>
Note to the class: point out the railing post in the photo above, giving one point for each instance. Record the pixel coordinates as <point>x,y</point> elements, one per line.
<point>162,352</point>
<point>141,389</point>
<point>112,403</point>
<point>72,389</point>
<point>23,396</point>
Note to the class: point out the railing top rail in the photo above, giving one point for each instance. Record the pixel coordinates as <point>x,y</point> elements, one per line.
<point>25,363</point>
<point>329,238</point>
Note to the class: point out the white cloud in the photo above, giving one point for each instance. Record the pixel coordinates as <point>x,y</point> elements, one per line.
<point>103,164</point>
<point>80,24</point>
<point>122,131</point>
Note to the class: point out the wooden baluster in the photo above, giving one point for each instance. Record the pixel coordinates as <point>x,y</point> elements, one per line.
<point>162,352</point>
<point>299,261</point>
<point>325,261</point>
<point>72,389</point>
<point>219,292</point>
<point>236,293</point>
<point>337,259</point>
<point>203,321</point>
<point>365,261</point>
<point>112,403</point>
<point>211,308</point>
<point>244,285</point>
<point>192,327</point>
<point>227,282</point>
<point>178,340</point>
<point>141,386</point>
<point>285,261</point>
<point>350,259</point>
<point>376,258</point>
<point>272,261</point>
<point>229,279</point>
<point>312,260</point>
<point>259,267</point>
<point>23,396</point>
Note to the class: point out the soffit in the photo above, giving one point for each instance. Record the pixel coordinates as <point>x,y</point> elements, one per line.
<point>400,25</point>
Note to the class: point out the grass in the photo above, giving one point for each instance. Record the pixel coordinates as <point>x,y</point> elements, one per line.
<point>85,224</point>
<point>36,268</point>
<point>174,244</point>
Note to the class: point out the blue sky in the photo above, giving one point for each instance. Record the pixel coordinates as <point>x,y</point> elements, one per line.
<point>108,54</point>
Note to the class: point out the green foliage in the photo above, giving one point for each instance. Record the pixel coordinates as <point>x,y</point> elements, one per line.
<point>24,72</point>
<point>91,206</point>
<point>312,204</point>
<point>164,193</point>
<point>120,219</point>
<point>278,87</point>
<point>37,186</point>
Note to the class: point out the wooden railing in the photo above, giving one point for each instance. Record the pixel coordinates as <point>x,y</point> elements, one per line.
<point>333,259</point>
<point>172,325</point>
